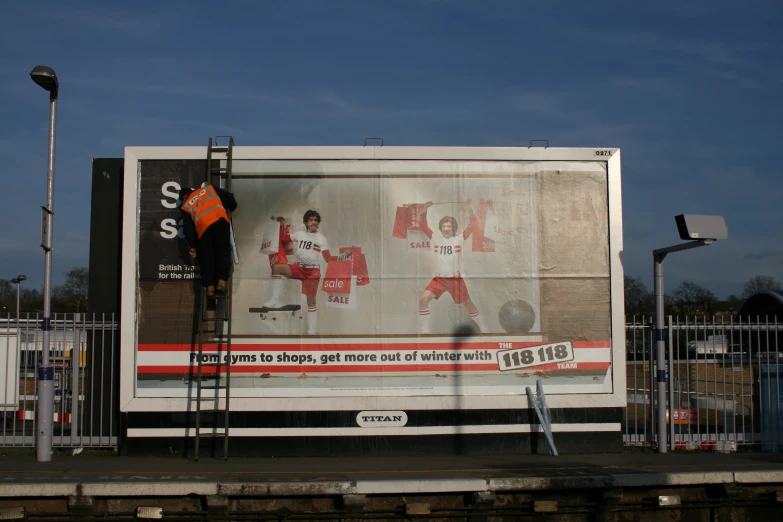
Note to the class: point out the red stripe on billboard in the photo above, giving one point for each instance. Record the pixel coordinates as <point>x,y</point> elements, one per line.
<point>479,345</point>
<point>371,368</point>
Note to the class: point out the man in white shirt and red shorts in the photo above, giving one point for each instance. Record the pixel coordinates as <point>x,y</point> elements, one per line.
<point>309,246</point>
<point>447,247</point>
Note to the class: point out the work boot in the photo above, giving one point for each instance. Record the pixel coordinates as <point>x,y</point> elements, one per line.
<point>221,287</point>
<point>210,291</point>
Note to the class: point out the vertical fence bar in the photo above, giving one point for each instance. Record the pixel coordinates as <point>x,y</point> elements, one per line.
<point>733,380</point>
<point>742,375</point>
<point>724,436</point>
<point>777,387</point>
<point>111,380</point>
<point>670,376</point>
<point>7,365</point>
<point>626,438</point>
<point>714,364</point>
<point>768,366</point>
<point>103,358</point>
<point>92,384</point>
<point>76,350</point>
<point>652,435</point>
<point>776,409</point>
<point>755,373</point>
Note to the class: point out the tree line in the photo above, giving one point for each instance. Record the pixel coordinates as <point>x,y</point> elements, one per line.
<point>691,299</point>
<point>688,299</point>
<point>69,297</point>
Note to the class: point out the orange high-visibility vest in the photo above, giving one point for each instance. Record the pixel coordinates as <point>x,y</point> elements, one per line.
<point>205,207</point>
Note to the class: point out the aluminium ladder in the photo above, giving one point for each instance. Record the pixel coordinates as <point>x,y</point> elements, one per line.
<point>212,328</point>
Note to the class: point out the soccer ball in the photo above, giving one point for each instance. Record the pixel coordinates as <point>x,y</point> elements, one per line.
<point>517,316</point>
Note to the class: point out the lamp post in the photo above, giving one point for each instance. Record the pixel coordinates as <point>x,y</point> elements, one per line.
<point>700,230</point>
<point>18,282</point>
<point>47,79</point>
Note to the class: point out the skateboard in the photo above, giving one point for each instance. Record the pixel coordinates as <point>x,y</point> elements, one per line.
<point>265,311</point>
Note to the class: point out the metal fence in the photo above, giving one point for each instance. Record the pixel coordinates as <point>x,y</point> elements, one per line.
<point>85,354</point>
<point>723,384</point>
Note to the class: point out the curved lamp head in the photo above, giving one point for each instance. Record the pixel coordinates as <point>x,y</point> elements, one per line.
<point>46,78</point>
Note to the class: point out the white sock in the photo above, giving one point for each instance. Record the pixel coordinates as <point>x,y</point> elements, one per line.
<point>424,321</point>
<point>479,321</point>
<point>277,286</point>
<point>312,319</point>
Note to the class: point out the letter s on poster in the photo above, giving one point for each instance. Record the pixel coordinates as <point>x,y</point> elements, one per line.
<point>169,229</point>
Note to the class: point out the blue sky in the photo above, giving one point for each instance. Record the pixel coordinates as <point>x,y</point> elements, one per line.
<point>691,91</point>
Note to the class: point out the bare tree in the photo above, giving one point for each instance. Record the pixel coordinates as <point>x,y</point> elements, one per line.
<point>71,296</point>
<point>692,298</point>
<point>760,283</point>
<point>638,298</point>
<point>7,297</point>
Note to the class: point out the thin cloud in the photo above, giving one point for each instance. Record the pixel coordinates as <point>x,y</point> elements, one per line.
<point>645,85</point>
<point>540,103</point>
<point>764,255</point>
<point>193,89</point>
<point>131,24</point>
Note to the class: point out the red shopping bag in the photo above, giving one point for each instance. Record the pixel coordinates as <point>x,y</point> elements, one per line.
<point>400,222</point>
<point>359,267</point>
<point>417,218</point>
<point>481,243</point>
<point>338,277</point>
<point>285,246</point>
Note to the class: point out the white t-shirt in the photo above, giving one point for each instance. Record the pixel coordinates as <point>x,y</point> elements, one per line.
<point>448,254</point>
<point>308,247</point>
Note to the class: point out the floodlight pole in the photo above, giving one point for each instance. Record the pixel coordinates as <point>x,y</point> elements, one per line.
<point>660,336</point>
<point>46,78</point>
<point>18,281</point>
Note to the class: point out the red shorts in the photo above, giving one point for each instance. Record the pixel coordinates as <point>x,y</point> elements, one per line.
<point>310,278</point>
<point>453,285</point>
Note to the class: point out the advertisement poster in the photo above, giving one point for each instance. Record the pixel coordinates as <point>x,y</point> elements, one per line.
<point>395,278</point>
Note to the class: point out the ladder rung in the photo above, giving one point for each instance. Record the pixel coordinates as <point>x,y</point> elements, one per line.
<point>214,364</point>
<point>214,387</point>
<point>220,148</point>
<point>213,434</point>
<point>219,170</point>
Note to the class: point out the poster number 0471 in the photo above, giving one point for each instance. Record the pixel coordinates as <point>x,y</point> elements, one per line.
<point>535,356</point>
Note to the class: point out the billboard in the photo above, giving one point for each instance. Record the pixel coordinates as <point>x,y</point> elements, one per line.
<point>464,274</point>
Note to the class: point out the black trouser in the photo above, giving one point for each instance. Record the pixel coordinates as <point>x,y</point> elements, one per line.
<point>214,253</point>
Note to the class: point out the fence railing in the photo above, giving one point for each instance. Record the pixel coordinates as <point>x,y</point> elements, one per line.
<point>723,384</point>
<point>85,353</point>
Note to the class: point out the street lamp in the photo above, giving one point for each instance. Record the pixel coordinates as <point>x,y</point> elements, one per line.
<point>47,79</point>
<point>18,282</point>
<point>701,231</point>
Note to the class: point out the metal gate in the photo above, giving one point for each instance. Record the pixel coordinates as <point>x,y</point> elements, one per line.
<point>85,354</point>
<point>723,384</point>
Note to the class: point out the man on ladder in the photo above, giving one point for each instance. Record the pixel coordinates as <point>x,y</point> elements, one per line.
<point>207,226</point>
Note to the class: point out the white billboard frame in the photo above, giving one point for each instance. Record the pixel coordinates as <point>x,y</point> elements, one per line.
<point>130,402</point>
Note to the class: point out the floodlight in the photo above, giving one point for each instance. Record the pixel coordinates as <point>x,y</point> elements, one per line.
<point>694,226</point>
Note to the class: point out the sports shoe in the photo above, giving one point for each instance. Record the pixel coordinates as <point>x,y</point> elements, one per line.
<point>275,302</point>
<point>221,287</point>
<point>210,291</point>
